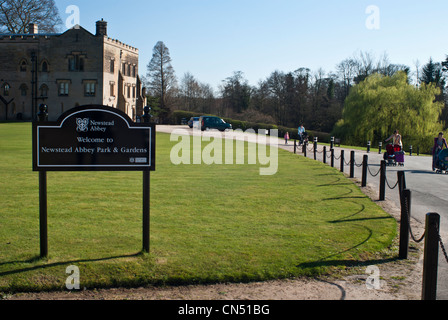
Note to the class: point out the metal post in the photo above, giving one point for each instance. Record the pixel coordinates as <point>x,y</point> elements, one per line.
<point>352,164</point>
<point>325,155</point>
<point>43,208</point>
<point>332,158</point>
<point>295,146</point>
<point>332,143</point>
<point>364,171</point>
<point>431,257</point>
<point>342,160</point>
<point>380,147</point>
<point>315,148</point>
<point>146,196</point>
<point>410,151</point>
<point>401,183</point>
<point>368,146</point>
<point>383,181</point>
<point>404,224</point>
<point>304,150</point>
<point>146,211</point>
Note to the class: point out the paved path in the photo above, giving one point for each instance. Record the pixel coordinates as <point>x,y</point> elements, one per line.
<point>429,190</point>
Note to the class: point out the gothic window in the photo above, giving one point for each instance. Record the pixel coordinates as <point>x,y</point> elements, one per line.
<point>23,66</point>
<point>112,65</point>
<point>45,66</point>
<point>43,90</point>
<point>6,89</point>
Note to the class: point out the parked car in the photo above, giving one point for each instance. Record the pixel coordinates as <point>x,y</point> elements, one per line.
<point>192,121</point>
<point>208,123</point>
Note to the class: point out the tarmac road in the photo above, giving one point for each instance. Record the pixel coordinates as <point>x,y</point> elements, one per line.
<point>428,190</point>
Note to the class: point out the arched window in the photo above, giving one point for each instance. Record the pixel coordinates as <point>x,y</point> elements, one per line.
<point>45,66</point>
<point>23,66</point>
<point>43,91</point>
<point>6,89</point>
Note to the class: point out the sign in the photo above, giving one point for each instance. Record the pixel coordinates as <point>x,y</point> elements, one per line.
<point>93,138</point>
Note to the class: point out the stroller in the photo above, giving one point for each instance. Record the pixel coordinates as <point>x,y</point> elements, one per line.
<point>442,162</point>
<point>304,140</point>
<point>394,155</point>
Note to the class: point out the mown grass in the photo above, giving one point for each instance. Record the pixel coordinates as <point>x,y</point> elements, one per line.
<point>209,224</point>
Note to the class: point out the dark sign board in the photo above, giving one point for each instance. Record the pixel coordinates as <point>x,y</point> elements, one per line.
<point>93,138</point>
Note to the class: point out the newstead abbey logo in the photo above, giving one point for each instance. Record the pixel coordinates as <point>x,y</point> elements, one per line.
<point>83,125</point>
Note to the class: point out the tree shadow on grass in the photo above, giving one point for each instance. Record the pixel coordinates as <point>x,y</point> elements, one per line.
<point>37,259</point>
<point>325,262</point>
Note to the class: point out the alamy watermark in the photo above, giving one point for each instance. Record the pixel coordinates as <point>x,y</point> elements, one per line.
<point>73,281</point>
<point>374,281</point>
<point>227,148</point>
<point>373,21</point>
<point>74,18</point>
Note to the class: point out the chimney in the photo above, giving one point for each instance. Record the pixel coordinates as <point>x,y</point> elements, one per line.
<point>33,28</point>
<point>101,28</point>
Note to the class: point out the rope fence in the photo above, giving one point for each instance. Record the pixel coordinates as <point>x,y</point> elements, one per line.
<point>432,237</point>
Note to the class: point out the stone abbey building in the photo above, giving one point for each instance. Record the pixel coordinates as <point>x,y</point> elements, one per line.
<point>67,70</point>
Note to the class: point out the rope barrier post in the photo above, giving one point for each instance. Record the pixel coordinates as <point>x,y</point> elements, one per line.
<point>332,143</point>
<point>315,148</point>
<point>431,257</point>
<point>332,158</point>
<point>404,224</point>
<point>364,171</point>
<point>401,183</point>
<point>304,150</point>
<point>352,164</point>
<point>295,146</point>
<point>380,147</point>
<point>383,181</point>
<point>342,160</point>
<point>325,154</point>
<point>368,146</point>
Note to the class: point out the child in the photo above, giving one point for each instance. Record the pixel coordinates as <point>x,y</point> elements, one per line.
<point>286,137</point>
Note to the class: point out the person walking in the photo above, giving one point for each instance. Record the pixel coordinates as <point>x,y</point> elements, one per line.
<point>396,139</point>
<point>301,132</point>
<point>439,143</point>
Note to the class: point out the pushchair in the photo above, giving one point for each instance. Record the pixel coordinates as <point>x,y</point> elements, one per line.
<point>394,155</point>
<point>442,162</point>
<point>304,140</point>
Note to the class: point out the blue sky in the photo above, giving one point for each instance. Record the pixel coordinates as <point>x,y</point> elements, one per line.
<point>213,38</point>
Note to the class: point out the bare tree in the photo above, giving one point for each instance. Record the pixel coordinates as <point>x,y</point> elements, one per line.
<point>347,71</point>
<point>16,15</point>
<point>161,78</point>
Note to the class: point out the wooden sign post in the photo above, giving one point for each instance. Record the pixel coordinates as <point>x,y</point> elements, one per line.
<point>92,138</point>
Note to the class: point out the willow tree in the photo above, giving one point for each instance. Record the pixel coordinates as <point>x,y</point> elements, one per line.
<point>381,104</point>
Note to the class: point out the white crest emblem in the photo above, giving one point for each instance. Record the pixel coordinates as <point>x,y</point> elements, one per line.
<point>83,125</point>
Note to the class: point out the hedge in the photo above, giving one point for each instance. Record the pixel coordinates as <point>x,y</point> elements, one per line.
<point>177,116</point>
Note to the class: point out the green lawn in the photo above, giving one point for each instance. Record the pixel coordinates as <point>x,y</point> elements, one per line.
<point>209,224</point>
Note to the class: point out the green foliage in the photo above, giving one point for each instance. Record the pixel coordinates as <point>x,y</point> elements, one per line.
<point>381,104</point>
